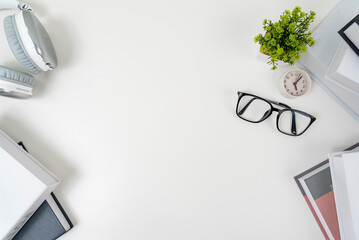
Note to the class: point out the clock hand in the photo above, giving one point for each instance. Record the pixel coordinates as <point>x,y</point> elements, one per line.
<point>295,83</point>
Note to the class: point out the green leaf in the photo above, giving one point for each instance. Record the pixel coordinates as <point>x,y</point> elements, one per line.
<point>286,38</point>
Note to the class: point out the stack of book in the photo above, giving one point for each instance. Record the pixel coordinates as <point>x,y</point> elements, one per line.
<point>332,63</point>
<point>331,190</point>
<point>28,208</point>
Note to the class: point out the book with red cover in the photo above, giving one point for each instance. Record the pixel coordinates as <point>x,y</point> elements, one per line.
<point>317,189</point>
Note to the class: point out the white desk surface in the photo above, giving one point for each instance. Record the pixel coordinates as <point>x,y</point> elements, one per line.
<point>139,121</point>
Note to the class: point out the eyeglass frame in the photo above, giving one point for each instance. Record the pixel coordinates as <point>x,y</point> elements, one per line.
<point>273,109</point>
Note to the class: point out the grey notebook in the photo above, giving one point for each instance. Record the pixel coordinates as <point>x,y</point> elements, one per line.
<point>48,223</point>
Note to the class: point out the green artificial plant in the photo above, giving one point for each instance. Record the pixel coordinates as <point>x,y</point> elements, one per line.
<point>286,39</point>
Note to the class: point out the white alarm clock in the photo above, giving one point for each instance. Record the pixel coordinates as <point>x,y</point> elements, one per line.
<point>295,83</point>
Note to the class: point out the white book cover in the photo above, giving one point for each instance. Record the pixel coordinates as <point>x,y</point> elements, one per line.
<point>351,169</point>
<point>24,185</point>
<point>339,188</point>
<point>344,170</point>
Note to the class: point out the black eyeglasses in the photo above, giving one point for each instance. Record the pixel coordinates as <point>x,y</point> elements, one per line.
<point>255,109</point>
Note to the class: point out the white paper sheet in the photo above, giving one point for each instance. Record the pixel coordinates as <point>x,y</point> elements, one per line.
<point>351,168</point>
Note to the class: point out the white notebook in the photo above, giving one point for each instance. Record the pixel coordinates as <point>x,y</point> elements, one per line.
<point>24,185</point>
<point>344,168</point>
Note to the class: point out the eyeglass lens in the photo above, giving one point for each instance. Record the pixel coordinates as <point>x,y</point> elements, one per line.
<point>252,109</point>
<point>286,119</point>
<point>290,121</point>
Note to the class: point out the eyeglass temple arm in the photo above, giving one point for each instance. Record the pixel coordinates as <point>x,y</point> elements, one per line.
<point>294,125</point>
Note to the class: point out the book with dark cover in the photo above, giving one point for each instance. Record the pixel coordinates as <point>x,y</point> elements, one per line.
<point>349,39</point>
<point>49,222</point>
<point>317,189</point>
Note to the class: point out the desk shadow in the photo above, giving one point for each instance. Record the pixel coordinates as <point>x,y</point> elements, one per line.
<point>47,155</point>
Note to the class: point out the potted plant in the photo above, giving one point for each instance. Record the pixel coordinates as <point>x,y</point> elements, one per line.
<point>286,39</point>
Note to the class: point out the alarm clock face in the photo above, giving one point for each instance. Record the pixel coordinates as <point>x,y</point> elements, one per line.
<point>296,82</point>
